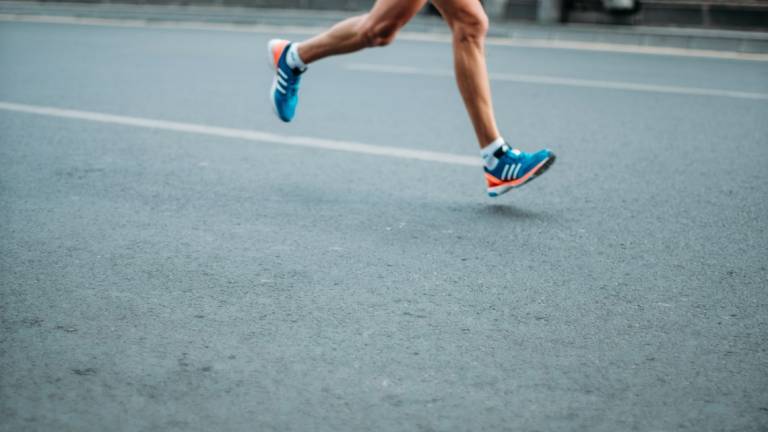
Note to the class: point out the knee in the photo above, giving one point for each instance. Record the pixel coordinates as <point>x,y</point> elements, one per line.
<point>470,26</point>
<point>379,32</point>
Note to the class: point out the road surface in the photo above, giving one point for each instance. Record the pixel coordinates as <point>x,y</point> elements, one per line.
<point>172,257</point>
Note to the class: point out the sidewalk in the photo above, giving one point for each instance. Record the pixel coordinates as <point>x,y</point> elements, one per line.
<point>698,39</point>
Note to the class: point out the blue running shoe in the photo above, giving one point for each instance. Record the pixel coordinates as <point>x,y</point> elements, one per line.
<point>285,85</point>
<point>515,168</point>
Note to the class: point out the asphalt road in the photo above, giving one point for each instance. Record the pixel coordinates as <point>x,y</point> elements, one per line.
<point>164,280</point>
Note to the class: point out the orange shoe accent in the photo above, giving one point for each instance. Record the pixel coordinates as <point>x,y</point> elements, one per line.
<point>277,50</point>
<point>492,181</point>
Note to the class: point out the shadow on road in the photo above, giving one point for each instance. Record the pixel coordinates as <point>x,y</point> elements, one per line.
<point>506,211</point>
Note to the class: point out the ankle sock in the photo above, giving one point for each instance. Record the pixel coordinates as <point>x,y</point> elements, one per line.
<point>293,59</point>
<point>487,153</point>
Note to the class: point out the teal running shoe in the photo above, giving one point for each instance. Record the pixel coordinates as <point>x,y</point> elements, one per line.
<point>515,168</point>
<point>285,85</point>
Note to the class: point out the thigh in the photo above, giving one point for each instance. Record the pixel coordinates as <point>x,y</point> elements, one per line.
<point>395,11</point>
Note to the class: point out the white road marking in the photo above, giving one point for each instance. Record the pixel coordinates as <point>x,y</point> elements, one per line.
<point>625,49</point>
<point>571,82</point>
<point>405,36</point>
<point>243,134</point>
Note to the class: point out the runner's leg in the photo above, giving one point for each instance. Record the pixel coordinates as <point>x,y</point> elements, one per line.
<point>505,168</point>
<point>469,24</point>
<point>376,28</point>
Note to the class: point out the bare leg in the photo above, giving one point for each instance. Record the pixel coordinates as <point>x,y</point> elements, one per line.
<point>468,22</point>
<point>376,28</point>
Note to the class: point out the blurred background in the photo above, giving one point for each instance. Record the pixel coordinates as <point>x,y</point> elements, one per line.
<point>710,14</point>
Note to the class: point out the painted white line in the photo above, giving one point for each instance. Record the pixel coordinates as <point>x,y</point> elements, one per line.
<point>404,36</point>
<point>570,82</point>
<point>626,49</point>
<point>168,25</point>
<point>242,134</point>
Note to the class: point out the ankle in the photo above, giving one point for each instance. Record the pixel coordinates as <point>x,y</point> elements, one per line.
<point>488,152</point>
<point>293,58</point>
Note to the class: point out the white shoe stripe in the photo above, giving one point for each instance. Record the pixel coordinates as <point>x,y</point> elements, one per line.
<point>514,176</point>
<point>504,173</point>
<point>282,74</point>
<point>282,81</point>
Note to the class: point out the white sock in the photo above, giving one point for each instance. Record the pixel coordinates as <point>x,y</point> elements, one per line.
<point>486,153</point>
<point>293,59</point>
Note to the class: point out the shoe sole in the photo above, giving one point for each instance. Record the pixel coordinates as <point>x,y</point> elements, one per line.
<point>502,189</point>
<point>273,67</point>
